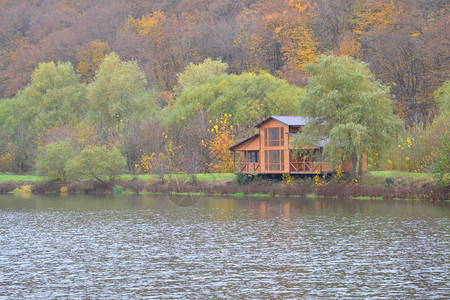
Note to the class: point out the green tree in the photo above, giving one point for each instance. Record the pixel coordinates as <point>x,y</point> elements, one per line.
<point>349,107</point>
<point>247,97</point>
<point>438,138</point>
<point>52,159</point>
<point>96,163</point>
<point>195,75</point>
<point>119,93</point>
<point>55,97</point>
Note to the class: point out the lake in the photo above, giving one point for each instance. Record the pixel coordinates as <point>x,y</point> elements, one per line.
<point>222,248</point>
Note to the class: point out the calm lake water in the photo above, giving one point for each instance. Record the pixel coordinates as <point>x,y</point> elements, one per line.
<point>222,248</point>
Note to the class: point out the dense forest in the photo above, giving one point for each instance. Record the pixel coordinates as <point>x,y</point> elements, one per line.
<point>141,73</point>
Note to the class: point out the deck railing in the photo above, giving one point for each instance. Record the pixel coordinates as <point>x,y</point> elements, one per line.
<point>304,166</point>
<point>249,167</point>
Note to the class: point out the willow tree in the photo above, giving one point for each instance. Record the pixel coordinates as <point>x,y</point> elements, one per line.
<point>349,107</point>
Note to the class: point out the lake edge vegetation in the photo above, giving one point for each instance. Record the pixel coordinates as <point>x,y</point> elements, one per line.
<point>372,185</point>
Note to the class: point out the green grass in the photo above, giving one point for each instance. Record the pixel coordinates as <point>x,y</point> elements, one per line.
<point>413,175</point>
<point>237,195</point>
<point>184,177</point>
<point>28,178</point>
<point>312,196</point>
<point>368,198</point>
<point>260,195</point>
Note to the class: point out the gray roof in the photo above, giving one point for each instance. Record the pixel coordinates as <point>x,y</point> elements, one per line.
<point>288,120</point>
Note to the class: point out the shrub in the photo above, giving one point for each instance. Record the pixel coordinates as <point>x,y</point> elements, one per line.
<point>118,189</point>
<point>441,166</point>
<point>388,182</point>
<point>96,164</point>
<point>52,159</point>
<point>242,178</point>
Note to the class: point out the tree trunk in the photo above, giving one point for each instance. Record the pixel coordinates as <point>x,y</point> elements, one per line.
<point>354,163</point>
<point>360,162</point>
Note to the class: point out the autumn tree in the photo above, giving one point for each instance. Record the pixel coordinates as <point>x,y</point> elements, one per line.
<point>276,36</point>
<point>222,139</point>
<point>89,59</point>
<point>347,107</point>
<point>155,31</point>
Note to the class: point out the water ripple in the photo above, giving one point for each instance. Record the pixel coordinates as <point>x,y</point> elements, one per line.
<point>207,251</point>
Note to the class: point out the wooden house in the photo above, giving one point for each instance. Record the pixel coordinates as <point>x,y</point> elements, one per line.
<point>270,151</point>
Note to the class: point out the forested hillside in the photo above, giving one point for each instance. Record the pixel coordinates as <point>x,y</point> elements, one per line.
<point>406,42</point>
<point>153,77</point>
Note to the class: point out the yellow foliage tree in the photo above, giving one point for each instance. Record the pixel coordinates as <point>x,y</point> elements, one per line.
<point>222,139</point>
<point>90,58</point>
<point>163,163</point>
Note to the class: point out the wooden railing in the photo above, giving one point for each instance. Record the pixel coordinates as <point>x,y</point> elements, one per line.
<point>304,166</point>
<point>249,167</point>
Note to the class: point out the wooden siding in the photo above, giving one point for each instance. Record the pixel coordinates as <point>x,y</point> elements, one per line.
<point>258,143</point>
<point>281,147</point>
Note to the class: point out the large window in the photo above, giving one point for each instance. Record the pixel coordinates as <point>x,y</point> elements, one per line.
<point>253,156</point>
<point>274,160</point>
<point>274,136</point>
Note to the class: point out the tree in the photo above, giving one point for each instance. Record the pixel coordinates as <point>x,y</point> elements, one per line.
<point>89,59</point>
<point>119,93</point>
<point>198,74</point>
<point>347,105</point>
<point>96,163</point>
<point>52,159</point>
<point>55,97</point>
<point>439,133</point>
<point>222,139</point>
<point>248,97</point>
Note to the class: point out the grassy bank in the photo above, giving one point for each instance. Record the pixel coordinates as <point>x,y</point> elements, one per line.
<point>377,185</point>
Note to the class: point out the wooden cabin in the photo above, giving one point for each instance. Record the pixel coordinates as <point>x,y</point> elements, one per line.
<point>270,151</point>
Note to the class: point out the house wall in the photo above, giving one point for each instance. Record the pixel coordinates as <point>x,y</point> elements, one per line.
<point>252,145</point>
<point>285,147</point>
<point>258,143</point>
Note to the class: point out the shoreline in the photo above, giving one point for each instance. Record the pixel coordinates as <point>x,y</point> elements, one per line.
<point>226,187</point>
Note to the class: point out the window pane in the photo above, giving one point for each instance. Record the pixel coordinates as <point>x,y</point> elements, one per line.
<point>265,136</point>
<point>274,136</point>
<point>267,159</point>
<point>274,160</point>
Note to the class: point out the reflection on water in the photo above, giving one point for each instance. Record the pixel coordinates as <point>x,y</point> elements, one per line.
<point>156,246</point>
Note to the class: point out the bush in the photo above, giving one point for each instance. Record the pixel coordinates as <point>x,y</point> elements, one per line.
<point>118,189</point>
<point>243,179</point>
<point>388,182</point>
<point>441,166</point>
<point>96,164</point>
<point>52,159</point>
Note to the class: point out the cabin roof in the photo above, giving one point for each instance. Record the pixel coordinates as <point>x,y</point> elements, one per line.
<point>243,141</point>
<point>288,120</point>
